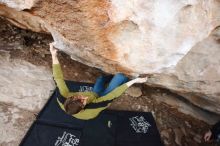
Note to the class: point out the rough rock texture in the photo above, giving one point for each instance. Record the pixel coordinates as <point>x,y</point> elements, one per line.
<point>175,41</point>
<point>32,49</point>
<point>19,4</point>
<point>134,92</point>
<point>24,88</point>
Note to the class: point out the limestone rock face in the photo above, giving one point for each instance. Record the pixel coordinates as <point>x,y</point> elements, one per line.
<point>174,41</point>
<point>19,4</point>
<point>24,89</point>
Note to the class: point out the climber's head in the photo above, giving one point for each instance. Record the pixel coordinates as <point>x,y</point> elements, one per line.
<point>75,104</point>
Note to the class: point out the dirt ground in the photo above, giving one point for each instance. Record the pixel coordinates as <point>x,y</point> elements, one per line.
<point>175,128</point>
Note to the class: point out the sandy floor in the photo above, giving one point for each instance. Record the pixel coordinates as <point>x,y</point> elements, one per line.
<point>175,128</point>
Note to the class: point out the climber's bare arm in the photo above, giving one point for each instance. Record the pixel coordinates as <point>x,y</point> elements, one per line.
<point>53,52</point>
<point>137,80</point>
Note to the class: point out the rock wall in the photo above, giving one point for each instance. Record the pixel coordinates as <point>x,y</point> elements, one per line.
<point>176,42</point>
<point>24,89</point>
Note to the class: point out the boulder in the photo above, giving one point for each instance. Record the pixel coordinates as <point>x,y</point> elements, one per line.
<point>134,91</point>
<point>175,42</point>
<point>24,89</point>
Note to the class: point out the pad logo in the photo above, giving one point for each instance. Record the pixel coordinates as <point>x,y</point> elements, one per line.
<point>85,89</point>
<point>67,139</point>
<point>139,124</point>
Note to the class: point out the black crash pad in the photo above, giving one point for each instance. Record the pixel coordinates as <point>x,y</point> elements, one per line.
<point>53,127</point>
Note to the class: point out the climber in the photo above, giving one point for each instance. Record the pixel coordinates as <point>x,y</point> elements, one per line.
<point>213,133</point>
<point>76,103</point>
